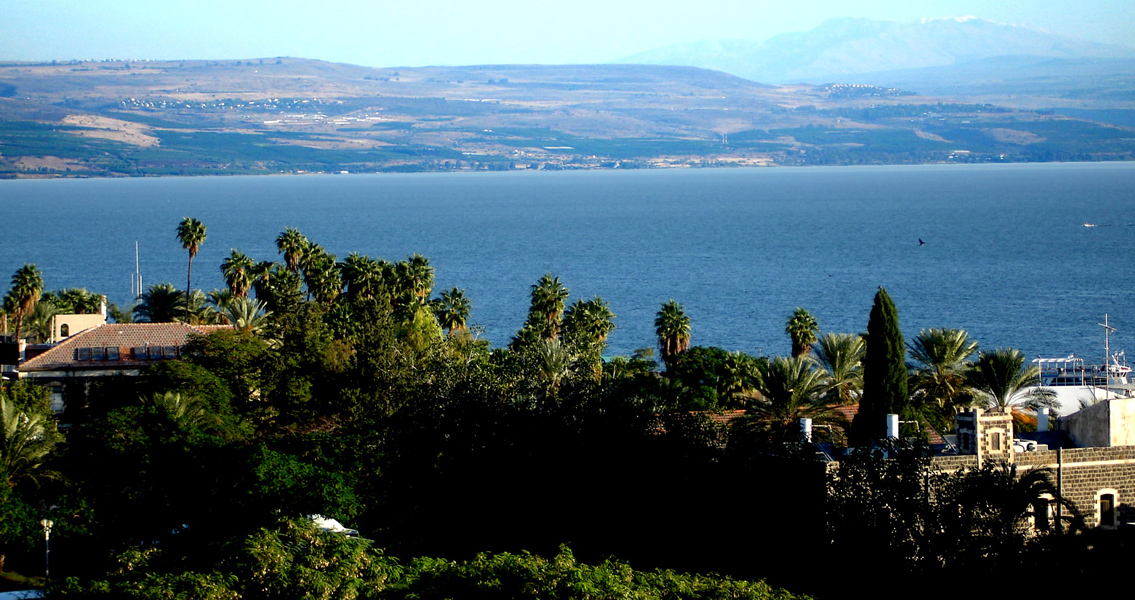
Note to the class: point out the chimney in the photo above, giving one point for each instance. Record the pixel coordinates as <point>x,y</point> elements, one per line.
<point>892,426</point>
<point>102,307</point>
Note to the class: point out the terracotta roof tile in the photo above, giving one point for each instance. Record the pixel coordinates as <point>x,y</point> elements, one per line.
<point>121,336</point>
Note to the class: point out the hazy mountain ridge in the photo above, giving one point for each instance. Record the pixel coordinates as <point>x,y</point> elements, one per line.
<point>840,48</point>
<point>297,115</point>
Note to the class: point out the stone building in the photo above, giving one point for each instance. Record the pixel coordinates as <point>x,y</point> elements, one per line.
<point>1092,456</point>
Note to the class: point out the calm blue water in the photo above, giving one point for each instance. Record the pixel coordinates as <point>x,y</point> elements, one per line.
<point>1006,255</point>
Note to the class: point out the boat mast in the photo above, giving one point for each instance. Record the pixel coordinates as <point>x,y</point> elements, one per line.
<point>136,280</point>
<point>1107,329</point>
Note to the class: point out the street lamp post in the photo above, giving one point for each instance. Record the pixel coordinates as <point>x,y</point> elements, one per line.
<point>47,523</point>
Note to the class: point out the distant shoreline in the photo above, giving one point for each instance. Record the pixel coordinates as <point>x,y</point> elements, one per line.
<point>44,177</point>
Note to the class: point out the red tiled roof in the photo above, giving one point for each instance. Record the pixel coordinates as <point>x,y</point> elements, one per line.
<point>848,411</point>
<point>122,336</point>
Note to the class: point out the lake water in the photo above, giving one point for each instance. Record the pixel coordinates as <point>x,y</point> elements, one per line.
<point>1006,254</point>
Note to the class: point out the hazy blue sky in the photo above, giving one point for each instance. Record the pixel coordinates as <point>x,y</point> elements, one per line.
<point>450,32</point>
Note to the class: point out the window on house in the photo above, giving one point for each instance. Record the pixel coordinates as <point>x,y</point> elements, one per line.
<point>139,352</point>
<point>112,353</point>
<point>83,354</point>
<point>98,353</point>
<point>169,351</point>
<point>995,441</point>
<point>64,330</point>
<point>155,352</point>
<point>1107,510</point>
<point>1042,514</point>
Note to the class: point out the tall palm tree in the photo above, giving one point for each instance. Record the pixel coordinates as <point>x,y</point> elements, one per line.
<point>321,274</point>
<point>293,245</point>
<point>27,285</point>
<point>191,234</point>
<point>1002,377</point>
<point>841,356</point>
<point>416,276</point>
<point>803,329</point>
<point>238,272</point>
<point>453,310</point>
<point>547,309</point>
<point>262,277</point>
<point>939,384</point>
<point>362,275</point>
<point>673,329</point>
<point>590,321</point>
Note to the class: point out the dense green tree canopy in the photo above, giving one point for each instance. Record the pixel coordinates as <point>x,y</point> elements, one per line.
<point>884,371</point>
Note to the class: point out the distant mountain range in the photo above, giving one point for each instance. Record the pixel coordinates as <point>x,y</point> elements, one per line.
<point>965,57</point>
<point>290,115</point>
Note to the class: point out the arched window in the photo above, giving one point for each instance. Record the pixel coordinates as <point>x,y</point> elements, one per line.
<point>64,330</point>
<point>1043,513</point>
<point>1106,507</point>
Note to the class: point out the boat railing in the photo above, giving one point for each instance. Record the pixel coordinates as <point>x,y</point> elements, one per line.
<point>1068,370</point>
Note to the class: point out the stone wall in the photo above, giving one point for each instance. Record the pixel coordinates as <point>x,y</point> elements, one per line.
<point>1089,474</point>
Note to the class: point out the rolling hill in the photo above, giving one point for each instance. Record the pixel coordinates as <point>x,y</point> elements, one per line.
<point>273,115</point>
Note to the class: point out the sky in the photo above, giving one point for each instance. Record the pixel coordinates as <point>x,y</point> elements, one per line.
<point>407,33</point>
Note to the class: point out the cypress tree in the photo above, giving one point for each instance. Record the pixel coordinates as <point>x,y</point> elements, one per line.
<point>884,372</point>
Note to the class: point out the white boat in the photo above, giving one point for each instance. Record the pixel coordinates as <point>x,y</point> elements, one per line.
<point>1077,384</point>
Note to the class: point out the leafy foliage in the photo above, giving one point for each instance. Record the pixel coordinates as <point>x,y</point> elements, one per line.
<point>884,371</point>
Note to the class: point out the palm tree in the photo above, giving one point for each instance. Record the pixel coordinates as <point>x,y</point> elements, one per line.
<point>792,389</point>
<point>453,310</point>
<point>262,277</point>
<point>74,301</point>
<point>939,380</point>
<point>803,329</point>
<point>191,234</point>
<point>363,276</point>
<point>321,274</point>
<point>1001,376</point>
<point>293,245</point>
<point>218,300</point>
<point>553,362</point>
<point>589,321</point>
<point>42,319</point>
<point>547,309</point>
<point>673,329</point>
<point>238,271</point>
<point>27,285</point>
<point>198,312</point>
<point>186,409</point>
<point>416,276</point>
<point>159,304</point>
<point>245,314</point>
<point>25,441</point>
<point>841,356</point>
